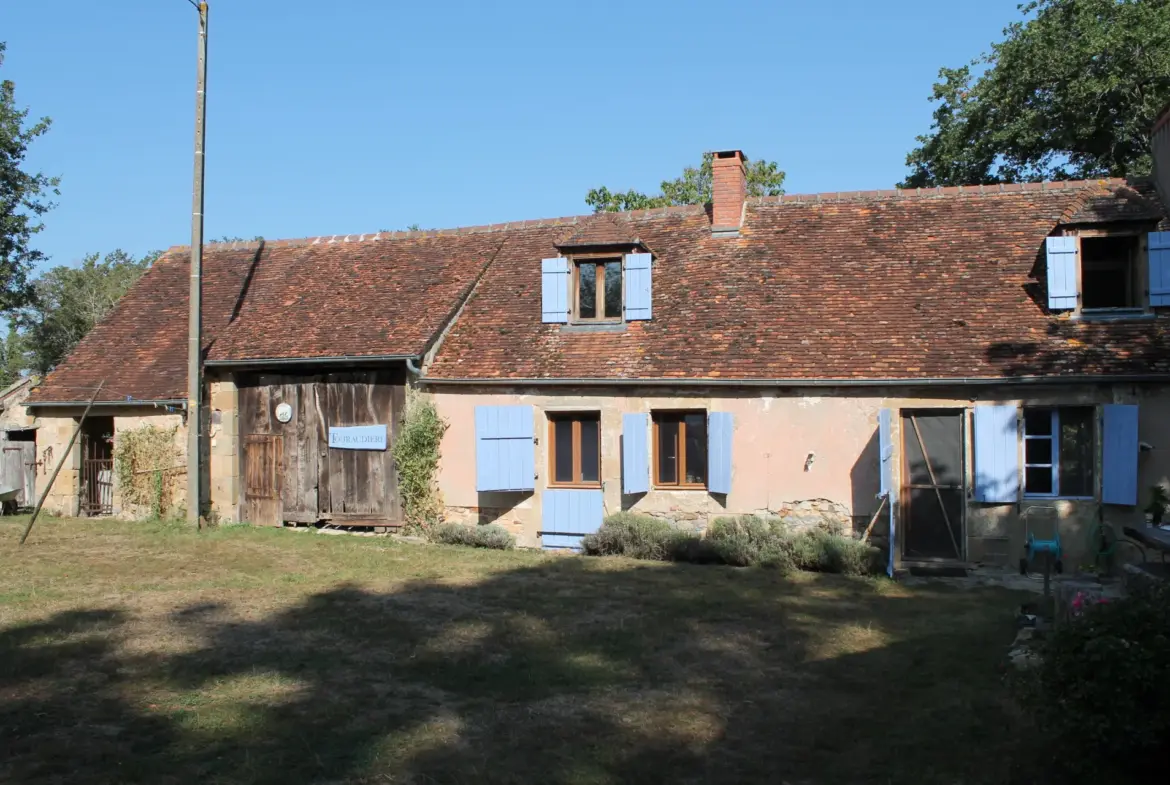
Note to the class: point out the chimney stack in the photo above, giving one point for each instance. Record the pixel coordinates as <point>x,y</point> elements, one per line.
<point>728,192</point>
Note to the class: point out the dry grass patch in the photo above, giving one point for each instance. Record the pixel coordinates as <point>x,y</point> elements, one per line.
<point>148,653</point>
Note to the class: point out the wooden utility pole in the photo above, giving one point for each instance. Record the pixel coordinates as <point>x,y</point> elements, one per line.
<point>64,457</point>
<point>195,319</point>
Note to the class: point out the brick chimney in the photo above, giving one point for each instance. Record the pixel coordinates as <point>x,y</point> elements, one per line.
<point>728,191</point>
<point>1160,149</point>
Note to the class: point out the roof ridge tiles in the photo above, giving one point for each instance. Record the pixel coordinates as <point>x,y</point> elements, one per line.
<point>941,191</point>
<point>538,223</point>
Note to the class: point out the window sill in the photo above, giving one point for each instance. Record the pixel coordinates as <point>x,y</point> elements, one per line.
<point>573,487</point>
<point>1034,498</point>
<point>594,327</point>
<point>680,488</point>
<point>1113,315</point>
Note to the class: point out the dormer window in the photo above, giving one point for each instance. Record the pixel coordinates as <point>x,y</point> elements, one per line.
<point>1108,273</point>
<point>597,289</point>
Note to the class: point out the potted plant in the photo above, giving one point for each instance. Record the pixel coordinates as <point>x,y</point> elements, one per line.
<point>1159,501</point>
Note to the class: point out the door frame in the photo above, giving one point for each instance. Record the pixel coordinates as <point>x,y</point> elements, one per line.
<point>905,416</point>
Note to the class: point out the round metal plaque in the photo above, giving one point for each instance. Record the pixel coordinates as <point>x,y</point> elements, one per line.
<point>283,412</point>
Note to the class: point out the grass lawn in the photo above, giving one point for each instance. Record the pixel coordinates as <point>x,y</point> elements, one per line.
<point>135,652</point>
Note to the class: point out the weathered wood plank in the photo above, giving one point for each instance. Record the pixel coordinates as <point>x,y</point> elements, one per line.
<point>305,417</point>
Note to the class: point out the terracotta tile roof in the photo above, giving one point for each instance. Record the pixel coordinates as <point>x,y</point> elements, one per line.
<point>1134,202</point>
<point>883,284</point>
<point>601,230</point>
<point>322,297</point>
<point>871,285</point>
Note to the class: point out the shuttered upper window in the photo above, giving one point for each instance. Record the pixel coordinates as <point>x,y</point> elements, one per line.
<point>1107,271</point>
<point>597,288</point>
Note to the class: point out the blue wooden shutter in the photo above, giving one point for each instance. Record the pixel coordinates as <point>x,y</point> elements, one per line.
<point>635,456</point>
<point>566,516</point>
<point>719,427</point>
<point>637,286</point>
<point>997,454</point>
<point>1158,247</point>
<point>504,448</point>
<point>1119,455</point>
<point>1062,273</point>
<point>886,451</point>
<point>554,290</point>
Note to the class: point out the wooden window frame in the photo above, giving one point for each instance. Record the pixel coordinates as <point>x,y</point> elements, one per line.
<point>576,418</point>
<point>1139,270</point>
<point>680,450</point>
<point>1055,466</point>
<point>598,260</point>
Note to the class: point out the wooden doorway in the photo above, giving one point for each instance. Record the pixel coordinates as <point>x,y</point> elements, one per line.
<point>316,482</point>
<point>96,489</point>
<point>263,478</point>
<point>933,489</point>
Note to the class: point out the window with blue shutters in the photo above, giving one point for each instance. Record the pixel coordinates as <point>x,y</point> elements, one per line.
<point>1110,271</point>
<point>505,448</point>
<point>680,450</point>
<point>597,289</point>
<point>1059,452</point>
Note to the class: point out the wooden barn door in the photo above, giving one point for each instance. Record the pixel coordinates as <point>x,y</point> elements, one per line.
<point>263,474</point>
<point>313,482</point>
<point>360,486</point>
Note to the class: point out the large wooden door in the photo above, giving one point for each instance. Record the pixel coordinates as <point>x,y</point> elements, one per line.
<point>316,482</point>
<point>263,476</point>
<point>362,484</point>
<point>933,494</point>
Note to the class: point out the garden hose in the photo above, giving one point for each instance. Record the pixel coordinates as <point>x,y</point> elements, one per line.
<point>1103,543</point>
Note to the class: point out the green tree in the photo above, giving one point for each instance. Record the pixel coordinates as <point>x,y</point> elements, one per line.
<point>764,178</point>
<point>24,197</point>
<point>69,301</point>
<point>13,357</point>
<point>1071,92</point>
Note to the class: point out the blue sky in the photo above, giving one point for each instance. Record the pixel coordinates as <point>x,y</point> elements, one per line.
<point>355,115</point>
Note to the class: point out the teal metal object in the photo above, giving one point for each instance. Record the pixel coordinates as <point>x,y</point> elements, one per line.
<point>1047,552</point>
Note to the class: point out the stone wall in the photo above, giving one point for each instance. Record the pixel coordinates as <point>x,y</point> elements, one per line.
<point>224,461</point>
<point>506,517</point>
<point>52,439</point>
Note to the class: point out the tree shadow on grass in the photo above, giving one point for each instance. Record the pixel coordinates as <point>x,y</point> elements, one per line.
<point>565,672</point>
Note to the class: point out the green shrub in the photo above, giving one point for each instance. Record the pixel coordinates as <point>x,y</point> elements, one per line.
<point>495,537</point>
<point>750,540</point>
<point>490,536</point>
<point>818,550</point>
<point>416,459</point>
<point>633,535</point>
<point>1101,689</point>
<point>743,541</point>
